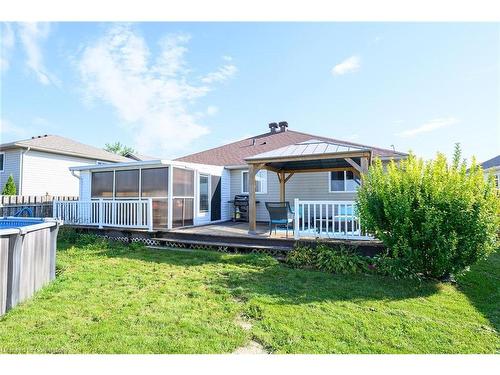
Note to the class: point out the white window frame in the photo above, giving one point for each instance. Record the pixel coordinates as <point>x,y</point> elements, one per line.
<point>338,191</point>
<point>263,185</point>
<point>209,193</point>
<point>3,162</point>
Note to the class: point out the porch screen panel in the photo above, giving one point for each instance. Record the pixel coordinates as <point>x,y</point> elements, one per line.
<point>127,183</point>
<point>183,197</point>
<point>160,210</point>
<point>102,184</point>
<point>154,182</point>
<point>183,182</point>
<point>182,213</point>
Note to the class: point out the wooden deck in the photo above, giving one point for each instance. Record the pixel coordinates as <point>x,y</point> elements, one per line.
<point>234,235</point>
<point>235,229</point>
<point>229,237</point>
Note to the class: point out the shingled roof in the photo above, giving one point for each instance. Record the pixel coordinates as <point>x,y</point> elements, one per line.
<point>234,154</point>
<point>65,146</point>
<point>493,162</point>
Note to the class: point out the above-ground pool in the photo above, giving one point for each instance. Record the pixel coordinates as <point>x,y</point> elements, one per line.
<point>27,257</point>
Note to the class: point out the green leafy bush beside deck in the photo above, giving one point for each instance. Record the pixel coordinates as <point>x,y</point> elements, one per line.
<point>440,217</point>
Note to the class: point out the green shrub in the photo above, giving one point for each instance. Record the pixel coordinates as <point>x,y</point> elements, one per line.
<point>10,187</point>
<point>439,218</point>
<point>301,257</point>
<point>340,260</point>
<point>68,234</point>
<point>344,260</point>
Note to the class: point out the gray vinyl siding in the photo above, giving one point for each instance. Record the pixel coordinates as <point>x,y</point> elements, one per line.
<point>305,186</point>
<point>11,166</point>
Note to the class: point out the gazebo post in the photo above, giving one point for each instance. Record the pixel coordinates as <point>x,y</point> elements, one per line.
<point>281,178</point>
<point>364,164</point>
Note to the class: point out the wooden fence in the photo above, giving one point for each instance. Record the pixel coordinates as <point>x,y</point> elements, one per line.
<point>32,205</point>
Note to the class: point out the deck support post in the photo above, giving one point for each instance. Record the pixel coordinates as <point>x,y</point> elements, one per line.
<point>296,219</point>
<point>150,214</point>
<point>101,214</point>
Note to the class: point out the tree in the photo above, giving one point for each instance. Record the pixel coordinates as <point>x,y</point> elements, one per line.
<point>438,217</point>
<point>10,187</point>
<point>118,148</point>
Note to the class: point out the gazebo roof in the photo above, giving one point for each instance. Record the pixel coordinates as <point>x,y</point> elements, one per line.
<point>312,148</point>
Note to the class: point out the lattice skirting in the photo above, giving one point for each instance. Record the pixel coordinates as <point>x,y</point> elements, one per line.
<point>224,249</point>
<point>144,238</point>
<point>125,237</point>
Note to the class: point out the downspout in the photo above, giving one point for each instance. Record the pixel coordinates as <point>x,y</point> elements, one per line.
<point>75,175</point>
<point>20,192</point>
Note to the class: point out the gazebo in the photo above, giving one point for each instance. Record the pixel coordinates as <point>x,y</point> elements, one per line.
<point>306,157</point>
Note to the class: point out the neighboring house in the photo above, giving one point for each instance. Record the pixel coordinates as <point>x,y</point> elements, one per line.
<point>196,189</point>
<point>139,157</point>
<point>492,166</point>
<point>40,165</point>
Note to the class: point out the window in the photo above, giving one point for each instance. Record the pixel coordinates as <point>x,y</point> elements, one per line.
<point>497,181</point>
<point>127,183</point>
<point>102,184</point>
<point>204,206</point>
<point>2,156</point>
<point>260,182</point>
<point>344,181</point>
<point>154,182</point>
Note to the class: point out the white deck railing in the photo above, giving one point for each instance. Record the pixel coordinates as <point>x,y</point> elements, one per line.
<point>327,219</point>
<point>126,213</point>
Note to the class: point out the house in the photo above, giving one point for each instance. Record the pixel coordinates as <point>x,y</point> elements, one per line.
<point>40,165</point>
<point>319,175</point>
<point>492,166</point>
<point>331,185</point>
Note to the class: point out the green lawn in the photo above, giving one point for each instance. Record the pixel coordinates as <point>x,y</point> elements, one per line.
<point>120,299</point>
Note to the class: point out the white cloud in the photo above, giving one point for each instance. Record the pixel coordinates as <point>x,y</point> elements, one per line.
<point>7,40</point>
<point>32,36</point>
<point>7,129</point>
<point>429,126</point>
<point>350,65</point>
<point>223,73</point>
<point>150,94</point>
<point>212,110</point>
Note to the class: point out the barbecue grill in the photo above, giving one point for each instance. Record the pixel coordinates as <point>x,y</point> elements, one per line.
<point>240,208</point>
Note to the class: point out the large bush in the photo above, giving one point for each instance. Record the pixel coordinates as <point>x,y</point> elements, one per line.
<point>437,216</point>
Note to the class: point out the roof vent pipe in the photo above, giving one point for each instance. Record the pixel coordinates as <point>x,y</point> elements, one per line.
<point>273,126</point>
<point>283,125</point>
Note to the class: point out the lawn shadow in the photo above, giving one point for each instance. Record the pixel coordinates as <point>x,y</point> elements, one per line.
<point>481,285</point>
<point>249,275</point>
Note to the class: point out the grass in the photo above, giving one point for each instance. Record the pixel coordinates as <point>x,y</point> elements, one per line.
<point>112,298</point>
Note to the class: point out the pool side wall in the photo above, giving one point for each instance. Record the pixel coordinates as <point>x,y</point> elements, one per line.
<point>27,261</point>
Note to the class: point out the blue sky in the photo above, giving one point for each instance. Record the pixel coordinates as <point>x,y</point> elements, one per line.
<point>170,89</point>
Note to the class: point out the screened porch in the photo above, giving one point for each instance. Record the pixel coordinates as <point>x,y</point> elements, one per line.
<point>153,195</point>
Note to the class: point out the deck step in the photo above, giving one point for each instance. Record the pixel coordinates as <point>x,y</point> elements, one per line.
<point>224,244</point>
